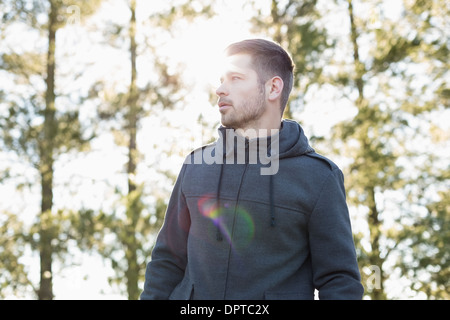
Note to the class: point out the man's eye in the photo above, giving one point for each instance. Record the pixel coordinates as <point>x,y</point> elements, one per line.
<point>236,78</point>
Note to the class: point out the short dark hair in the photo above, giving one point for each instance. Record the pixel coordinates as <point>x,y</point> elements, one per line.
<point>269,59</point>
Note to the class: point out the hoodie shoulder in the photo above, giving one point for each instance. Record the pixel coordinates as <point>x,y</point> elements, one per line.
<point>203,147</point>
<point>197,155</point>
<point>293,142</point>
<point>325,160</point>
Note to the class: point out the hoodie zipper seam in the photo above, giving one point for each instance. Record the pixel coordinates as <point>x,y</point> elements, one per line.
<point>232,230</point>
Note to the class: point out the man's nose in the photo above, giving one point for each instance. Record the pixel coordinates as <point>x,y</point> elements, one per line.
<point>222,90</point>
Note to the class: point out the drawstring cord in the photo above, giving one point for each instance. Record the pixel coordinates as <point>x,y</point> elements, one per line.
<point>218,233</point>
<point>272,205</point>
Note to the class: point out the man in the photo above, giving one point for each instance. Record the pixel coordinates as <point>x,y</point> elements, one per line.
<point>234,231</point>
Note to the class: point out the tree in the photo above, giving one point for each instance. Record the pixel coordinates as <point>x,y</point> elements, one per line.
<point>35,126</point>
<point>390,113</point>
<point>124,111</point>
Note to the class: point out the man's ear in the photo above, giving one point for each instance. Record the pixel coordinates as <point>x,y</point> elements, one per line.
<point>274,88</point>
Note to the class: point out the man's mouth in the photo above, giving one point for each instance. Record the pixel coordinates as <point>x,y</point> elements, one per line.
<point>224,105</point>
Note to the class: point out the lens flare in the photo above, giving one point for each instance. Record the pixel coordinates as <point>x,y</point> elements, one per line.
<point>223,217</point>
<point>207,206</point>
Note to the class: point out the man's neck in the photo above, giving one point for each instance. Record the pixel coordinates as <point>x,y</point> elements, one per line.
<point>253,133</point>
<point>259,131</point>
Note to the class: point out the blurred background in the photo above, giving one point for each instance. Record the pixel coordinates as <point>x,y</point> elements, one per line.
<point>100,101</point>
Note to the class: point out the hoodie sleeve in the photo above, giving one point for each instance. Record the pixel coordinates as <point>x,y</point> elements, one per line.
<point>333,255</point>
<point>169,256</point>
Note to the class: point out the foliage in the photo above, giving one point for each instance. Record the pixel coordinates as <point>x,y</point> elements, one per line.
<point>35,126</point>
<point>377,141</point>
<point>13,276</point>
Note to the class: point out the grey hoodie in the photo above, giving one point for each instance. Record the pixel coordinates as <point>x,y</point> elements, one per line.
<point>231,232</point>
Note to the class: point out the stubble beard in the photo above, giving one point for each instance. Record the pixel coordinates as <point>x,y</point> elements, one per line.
<point>248,112</point>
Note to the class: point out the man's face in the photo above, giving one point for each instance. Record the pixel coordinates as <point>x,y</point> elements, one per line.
<point>241,96</point>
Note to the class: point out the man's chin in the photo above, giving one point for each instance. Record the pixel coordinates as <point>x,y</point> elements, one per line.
<point>224,121</point>
<point>225,124</point>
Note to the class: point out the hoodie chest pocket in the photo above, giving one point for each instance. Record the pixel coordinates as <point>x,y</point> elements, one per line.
<point>183,291</point>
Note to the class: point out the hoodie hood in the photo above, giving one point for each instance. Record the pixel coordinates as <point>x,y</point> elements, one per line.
<point>289,141</point>
<point>293,141</point>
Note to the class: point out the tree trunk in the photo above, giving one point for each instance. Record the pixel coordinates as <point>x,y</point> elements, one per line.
<point>374,257</point>
<point>133,212</point>
<point>45,291</point>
